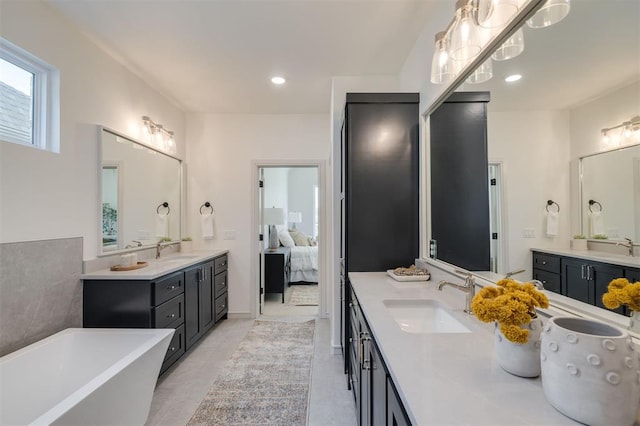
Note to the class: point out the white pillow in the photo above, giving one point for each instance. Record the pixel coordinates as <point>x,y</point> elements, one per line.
<point>285,239</point>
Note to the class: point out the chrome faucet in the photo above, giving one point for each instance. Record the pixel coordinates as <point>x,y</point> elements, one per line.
<point>628,244</point>
<point>138,244</point>
<point>512,273</point>
<point>160,247</point>
<point>469,288</point>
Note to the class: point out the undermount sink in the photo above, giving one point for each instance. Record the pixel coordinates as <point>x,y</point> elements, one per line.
<point>176,258</point>
<point>423,316</point>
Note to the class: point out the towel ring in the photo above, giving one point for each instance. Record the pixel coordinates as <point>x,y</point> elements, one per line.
<point>550,203</point>
<point>206,204</point>
<point>165,205</point>
<point>592,202</point>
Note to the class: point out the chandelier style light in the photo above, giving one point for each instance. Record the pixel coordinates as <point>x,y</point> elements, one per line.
<point>474,24</point>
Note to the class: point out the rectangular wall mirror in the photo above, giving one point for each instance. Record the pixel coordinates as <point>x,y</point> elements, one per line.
<point>573,83</point>
<point>614,214</point>
<point>140,194</point>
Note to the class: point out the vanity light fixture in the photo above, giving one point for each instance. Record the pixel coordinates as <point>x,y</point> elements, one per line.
<point>159,136</point>
<point>473,25</point>
<point>624,130</point>
<point>278,80</point>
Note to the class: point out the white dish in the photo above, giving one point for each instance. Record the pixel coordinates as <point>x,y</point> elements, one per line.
<point>408,277</point>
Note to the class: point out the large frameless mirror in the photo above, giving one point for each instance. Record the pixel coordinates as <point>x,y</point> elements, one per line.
<point>139,194</point>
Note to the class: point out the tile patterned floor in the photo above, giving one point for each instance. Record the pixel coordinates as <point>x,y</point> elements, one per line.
<point>182,387</point>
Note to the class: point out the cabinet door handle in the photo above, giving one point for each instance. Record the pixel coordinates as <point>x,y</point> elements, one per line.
<point>544,262</point>
<point>172,349</point>
<point>171,316</point>
<point>171,287</point>
<point>582,269</point>
<point>589,277</point>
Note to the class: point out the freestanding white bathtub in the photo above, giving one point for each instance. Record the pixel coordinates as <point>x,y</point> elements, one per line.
<point>83,376</point>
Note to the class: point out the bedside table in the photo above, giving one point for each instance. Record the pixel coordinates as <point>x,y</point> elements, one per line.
<point>277,269</point>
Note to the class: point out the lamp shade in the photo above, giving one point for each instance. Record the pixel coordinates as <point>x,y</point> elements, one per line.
<point>551,12</point>
<point>274,216</point>
<point>295,217</point>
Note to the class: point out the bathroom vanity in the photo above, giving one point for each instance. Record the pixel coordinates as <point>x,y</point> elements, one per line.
<point>582,275</point>
<point>410,370</point>
<point>184,292</point>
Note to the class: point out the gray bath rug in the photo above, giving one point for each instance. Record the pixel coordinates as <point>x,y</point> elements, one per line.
<point>304,295</point>
<point>266,381</point>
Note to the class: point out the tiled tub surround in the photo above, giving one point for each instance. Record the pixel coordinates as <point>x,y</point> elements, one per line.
<point>448,378</point>
<point>40,290</point>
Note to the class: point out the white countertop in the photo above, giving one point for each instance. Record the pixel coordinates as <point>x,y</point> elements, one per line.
<point>448,379</point>
<point>599,256</point>
<point>157,267</point>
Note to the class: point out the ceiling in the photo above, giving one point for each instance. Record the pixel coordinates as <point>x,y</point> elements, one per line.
<point>219,55</point>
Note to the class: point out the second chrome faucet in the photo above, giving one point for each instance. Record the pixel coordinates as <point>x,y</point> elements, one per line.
<point>469,288</point>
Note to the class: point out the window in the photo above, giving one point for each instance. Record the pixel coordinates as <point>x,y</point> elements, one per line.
<point>29,99</point>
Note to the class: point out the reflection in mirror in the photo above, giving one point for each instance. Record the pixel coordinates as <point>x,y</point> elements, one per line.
<point>136,181</point>
<point>605,211</point>
<point>574,83</point>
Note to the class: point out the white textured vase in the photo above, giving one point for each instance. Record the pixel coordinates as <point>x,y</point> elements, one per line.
<point>579,244</point>
<point>520,359</point>
<point>634,322</point>
<point>590,371</point>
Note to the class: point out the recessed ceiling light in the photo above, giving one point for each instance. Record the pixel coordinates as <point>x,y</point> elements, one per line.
<point>512,78</point>
<point>277,80</point>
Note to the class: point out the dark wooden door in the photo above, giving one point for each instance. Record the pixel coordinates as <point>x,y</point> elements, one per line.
<point>602,275</point>
<point>460,182</point>
<point>192,305</point>
<point>206,296</point>
<point>575,281</point>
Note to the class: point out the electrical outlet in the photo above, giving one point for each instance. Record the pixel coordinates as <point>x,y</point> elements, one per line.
<point>528,233</point>
<point>229,234</point>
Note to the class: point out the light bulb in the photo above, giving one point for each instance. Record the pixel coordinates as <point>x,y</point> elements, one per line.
<point>551,12</point>
<point>511,48</point>
<point>466,39</point>
<point>605,137</point>
<point>481,74</point>
<point>441,65</point>
<point>496,13</point>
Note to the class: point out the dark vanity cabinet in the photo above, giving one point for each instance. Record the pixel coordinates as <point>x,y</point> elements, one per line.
<point>374,393</point>
<point>186,300</point>
<point>580,279</point>
<point>379,190</point>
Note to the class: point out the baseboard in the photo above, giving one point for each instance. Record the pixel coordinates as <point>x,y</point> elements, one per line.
<point>240,315</point>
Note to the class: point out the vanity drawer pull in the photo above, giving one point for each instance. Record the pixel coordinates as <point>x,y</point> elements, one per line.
<point>544,262</point>
<point>171,316</point>
<point>172,348</point>
<point>171,287</point>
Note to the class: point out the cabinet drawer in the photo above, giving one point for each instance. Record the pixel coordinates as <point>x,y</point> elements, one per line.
<point>546,262</point>
<point>222,306</point>
<point>175,350</point>
<point>550,281</point>
<point>168,287</point>
<point>170,313</point>
<point>220,264</point>
<point>220,282</point>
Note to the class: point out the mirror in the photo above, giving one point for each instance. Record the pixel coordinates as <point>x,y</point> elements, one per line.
<point>140,194</point>
<point>579,76</point>
<point>612,213</point>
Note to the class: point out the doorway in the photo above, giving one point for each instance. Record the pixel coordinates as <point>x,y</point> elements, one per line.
<point>290,221</point>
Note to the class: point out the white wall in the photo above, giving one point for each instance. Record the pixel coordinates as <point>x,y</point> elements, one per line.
<point>301,184</point>
<point>45,195</point>
<point>533,147</point>
<point>222,154</point>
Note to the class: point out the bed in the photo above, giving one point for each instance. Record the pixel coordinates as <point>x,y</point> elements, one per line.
<point>304,256</point>
<point>304,264</point>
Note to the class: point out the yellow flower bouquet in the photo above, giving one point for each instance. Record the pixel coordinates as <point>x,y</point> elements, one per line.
<point>621,292</point>
<point>512,305</point>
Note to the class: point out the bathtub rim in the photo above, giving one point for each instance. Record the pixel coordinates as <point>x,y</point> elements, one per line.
<point>156,336</point>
